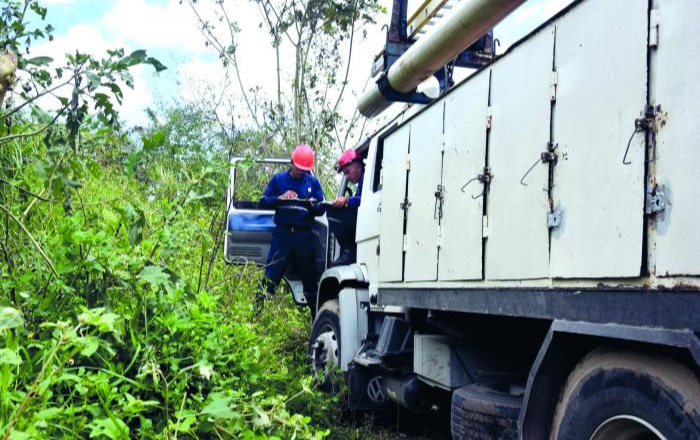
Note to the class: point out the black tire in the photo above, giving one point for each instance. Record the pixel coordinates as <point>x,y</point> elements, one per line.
<point>480,413</point>
<point>628,395</point>
<point>324,345</point>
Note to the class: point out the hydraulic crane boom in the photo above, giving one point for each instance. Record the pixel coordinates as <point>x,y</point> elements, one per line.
<point>470,21</point>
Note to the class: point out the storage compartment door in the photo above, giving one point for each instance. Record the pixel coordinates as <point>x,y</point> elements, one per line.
<point>601,58</point>
<point>466,110</point>
<point>423,180</point>
<point>393,194</point>
<point>677,90</point>
<point>518,241</point>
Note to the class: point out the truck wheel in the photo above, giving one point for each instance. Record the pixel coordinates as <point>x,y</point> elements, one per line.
<point>324,345</point>
<point>622,395</point>
<point>480,413</point>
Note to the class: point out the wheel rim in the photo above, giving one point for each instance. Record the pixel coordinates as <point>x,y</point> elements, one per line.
<point>324,352</point>
<point>627,427</point>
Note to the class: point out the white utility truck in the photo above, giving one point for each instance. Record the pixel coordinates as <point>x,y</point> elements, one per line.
<point>528,244</point>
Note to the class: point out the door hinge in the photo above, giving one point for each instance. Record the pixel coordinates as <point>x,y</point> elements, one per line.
<point>485,226</point>
<point>405,243</point>
<point>439,237</point>
<point>654,23</point>
<point>656,199</point>
<point>408,162</point>
<point>553,83</point>
<point>554,217</point>
<point>489,118</point>
<point>405,205</point>
<point>442,142</point>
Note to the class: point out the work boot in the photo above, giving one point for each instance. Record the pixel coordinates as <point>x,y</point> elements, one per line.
<point>347,256</point>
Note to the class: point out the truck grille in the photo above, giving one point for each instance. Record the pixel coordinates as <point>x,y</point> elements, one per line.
<point>249,253</point>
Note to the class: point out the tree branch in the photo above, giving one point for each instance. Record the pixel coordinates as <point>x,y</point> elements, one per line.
<point>31,238</point>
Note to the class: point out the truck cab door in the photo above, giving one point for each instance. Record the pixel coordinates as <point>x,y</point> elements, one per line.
<point>249,228</point>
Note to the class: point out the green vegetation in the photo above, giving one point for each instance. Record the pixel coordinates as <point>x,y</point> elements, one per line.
<point>118,317</point>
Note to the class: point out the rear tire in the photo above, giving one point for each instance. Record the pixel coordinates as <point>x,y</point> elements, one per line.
<point>480,413</point>
<point>324,346</point>
<point>624,395</point>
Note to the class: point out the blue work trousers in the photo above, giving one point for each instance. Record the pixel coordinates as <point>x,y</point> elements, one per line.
<point>296,246</point>
<point>343,225</point>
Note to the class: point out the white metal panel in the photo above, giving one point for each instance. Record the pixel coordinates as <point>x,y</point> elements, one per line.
<point>677,91</point>
<point>393,194</point>
<point>353,321</point>
<point>466,110</point>
<point>601,59</point>
<point>423,180</point>
<point>518,241</point>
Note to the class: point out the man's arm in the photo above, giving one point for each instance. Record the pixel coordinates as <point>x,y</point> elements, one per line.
<point>354,201</point>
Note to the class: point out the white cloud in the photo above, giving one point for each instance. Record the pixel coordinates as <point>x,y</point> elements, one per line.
<point>150,26</point>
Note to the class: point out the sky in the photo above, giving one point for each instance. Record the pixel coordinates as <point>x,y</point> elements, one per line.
<point>168,30</point>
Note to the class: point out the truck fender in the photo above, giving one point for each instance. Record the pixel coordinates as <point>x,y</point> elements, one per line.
<point>335,278</point>
<point>564,346</point>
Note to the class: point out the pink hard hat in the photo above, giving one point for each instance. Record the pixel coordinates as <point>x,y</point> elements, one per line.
<point>303,157</point>
<point>346,159</point>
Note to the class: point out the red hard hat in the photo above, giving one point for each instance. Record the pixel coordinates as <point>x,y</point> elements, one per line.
<point>303,157</point>
<point>346,158</point>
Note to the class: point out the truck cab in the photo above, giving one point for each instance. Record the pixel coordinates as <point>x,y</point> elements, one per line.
<point>249,228</point>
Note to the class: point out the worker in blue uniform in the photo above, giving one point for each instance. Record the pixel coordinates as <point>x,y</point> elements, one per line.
<point>342,219</point>
<point>295,195</point>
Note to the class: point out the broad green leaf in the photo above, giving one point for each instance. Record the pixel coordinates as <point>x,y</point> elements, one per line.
<point>114,429</point>
<point>19,435</point>
<point>48,413</point>
<point>9,357</point>
<point>103,321</point>
<point>10,318</point>
<point>262,419</point>
<point>219,408</point>
<point>137,55</point>
<point>156,64</point>
<point>155,140</point>
<point>132,160</point>
<point>40,61</point>
<point>154,275</point>
<point>90,346</point>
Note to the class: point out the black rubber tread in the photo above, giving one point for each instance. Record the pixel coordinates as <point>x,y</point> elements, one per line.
<point>480,413</point>
<point>328,313</point>
<point>611,382</point>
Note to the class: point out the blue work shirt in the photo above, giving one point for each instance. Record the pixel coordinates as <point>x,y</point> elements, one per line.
<point>290,213</point>
<point>354,201</point>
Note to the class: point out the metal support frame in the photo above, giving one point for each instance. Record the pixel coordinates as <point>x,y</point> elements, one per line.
<point>674,309</point>
<point>398,42</point>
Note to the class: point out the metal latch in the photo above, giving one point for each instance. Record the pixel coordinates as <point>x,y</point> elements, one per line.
<point>439,200</point>
<point>655,200</point>
<point>554,218</point>
<point>485,178</point>
<point>549,156</point>
<point>646,124</point>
